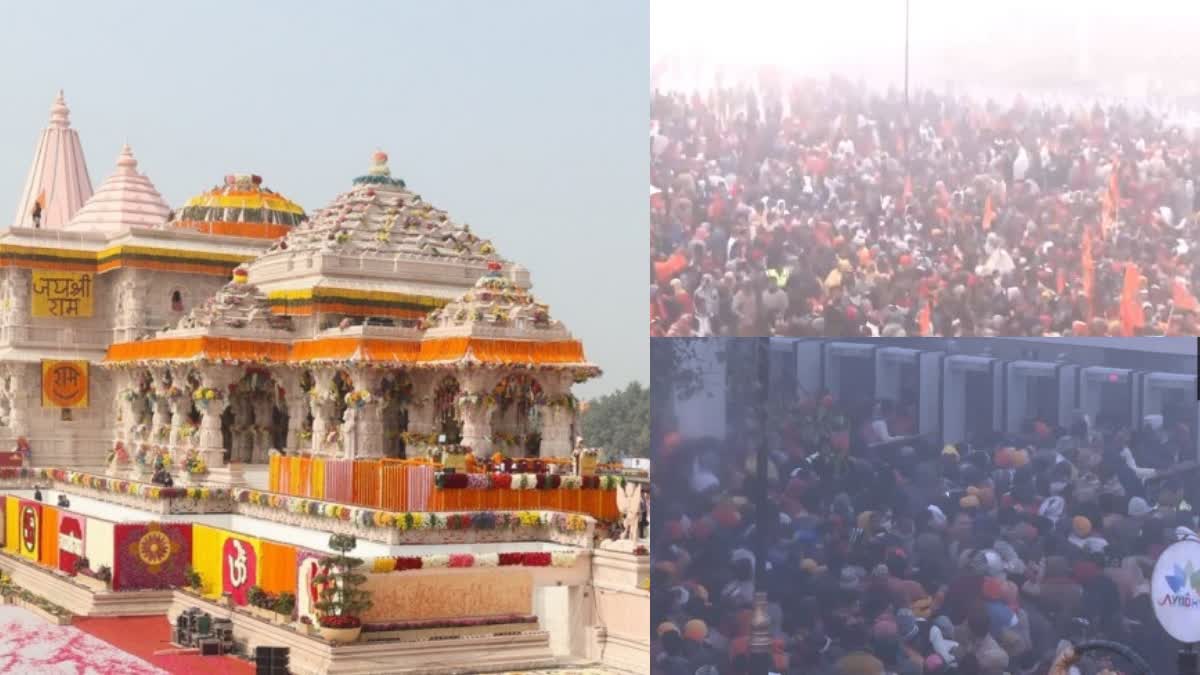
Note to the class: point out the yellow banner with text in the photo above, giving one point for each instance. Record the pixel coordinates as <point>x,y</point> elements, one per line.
<point>59,294</point>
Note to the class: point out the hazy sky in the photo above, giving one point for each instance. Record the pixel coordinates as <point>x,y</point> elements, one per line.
<point>1013,43</point>
<point>526,120</point>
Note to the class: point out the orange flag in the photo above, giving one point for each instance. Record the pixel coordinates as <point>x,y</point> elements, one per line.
<point>1132,317</point>
<point>924,319</point>
<point>1182,298</point>
<point>988,213</point>
<point>1089,270</point>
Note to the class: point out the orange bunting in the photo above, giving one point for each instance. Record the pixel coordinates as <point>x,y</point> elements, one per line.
<point>346,349</point>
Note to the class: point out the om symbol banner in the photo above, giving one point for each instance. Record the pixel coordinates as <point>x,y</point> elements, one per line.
<point>59,294</point>
<point>239,568</point>
<point>29,528</point>
<point>64,384</point>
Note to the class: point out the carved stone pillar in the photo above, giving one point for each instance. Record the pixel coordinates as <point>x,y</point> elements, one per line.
<point>180,405</point>
<point>130,306</point>
<point>296,402</point>
<point>243,429</point>
<point>160,405</point>
<point>475,415</point>
<point>368,420</point>
<point>323,409</point>
<point>20,382</point>
<point>212,446</point>
<point>420,407</point>
<point>17,303</point>
<point>556,416</point>
<point>263,406</point>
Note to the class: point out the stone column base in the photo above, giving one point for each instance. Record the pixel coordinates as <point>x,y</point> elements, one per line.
<point>230,474</point>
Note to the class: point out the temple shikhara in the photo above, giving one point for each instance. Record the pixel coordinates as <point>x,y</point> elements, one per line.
<point>268,394</point>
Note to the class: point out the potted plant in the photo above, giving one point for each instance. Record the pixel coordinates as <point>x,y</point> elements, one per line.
<point>194,468</point>
<point>195,583</point>
<point>117,461</point>
<point>258,602</point>
<point>285,602</point>
<point>97,581</point>
<point>8,589</point>
<point>341,599</point>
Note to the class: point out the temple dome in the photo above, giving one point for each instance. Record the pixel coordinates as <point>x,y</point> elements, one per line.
<point>125,199</point>
<point>240,207</point>
<point>497,302</point>
<point>381,217</point>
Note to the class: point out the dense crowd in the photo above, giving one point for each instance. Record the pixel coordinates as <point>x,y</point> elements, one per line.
<point>829,210</point>
<point>977,558</point>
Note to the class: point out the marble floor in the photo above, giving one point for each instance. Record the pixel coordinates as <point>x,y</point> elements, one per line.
<point>28,644</point>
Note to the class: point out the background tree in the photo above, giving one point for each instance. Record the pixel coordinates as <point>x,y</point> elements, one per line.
<point>619,422</point>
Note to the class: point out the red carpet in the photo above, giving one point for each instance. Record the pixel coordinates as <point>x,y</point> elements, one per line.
<point>142,636</point>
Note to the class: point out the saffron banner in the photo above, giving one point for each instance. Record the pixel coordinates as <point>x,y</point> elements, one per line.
<point>64,384</point>
<point>48,546</point>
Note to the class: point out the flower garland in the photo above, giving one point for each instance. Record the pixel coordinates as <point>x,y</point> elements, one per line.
<point>118,453</point>
<point>415,521</point>
<point>358,398</point>
<point>525,481</point>
<point>473,399</point>
<point>204,396</point>
<point>418,438</point>
<point>465,560</point>
<point>117,486</point>
<point>194,464</point>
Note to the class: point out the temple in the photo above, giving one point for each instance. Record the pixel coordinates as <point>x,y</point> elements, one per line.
<point>379,327</point>
<point>234,397</point>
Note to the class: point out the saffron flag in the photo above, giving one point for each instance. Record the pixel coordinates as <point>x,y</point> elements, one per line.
<point>1089,271</point>
<point>989,213</point>
<point>1182,297</point>
<point>924,319</point>
<point>1132,317</point>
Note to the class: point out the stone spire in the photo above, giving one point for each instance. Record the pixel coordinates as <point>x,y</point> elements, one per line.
<point>58,182</point>
<point>125,199</point>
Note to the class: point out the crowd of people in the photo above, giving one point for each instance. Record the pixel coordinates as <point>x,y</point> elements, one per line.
<point>829,210</point>
<point>909,558</point>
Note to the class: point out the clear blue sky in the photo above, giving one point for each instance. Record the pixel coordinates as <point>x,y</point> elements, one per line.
<point>527,120</point>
